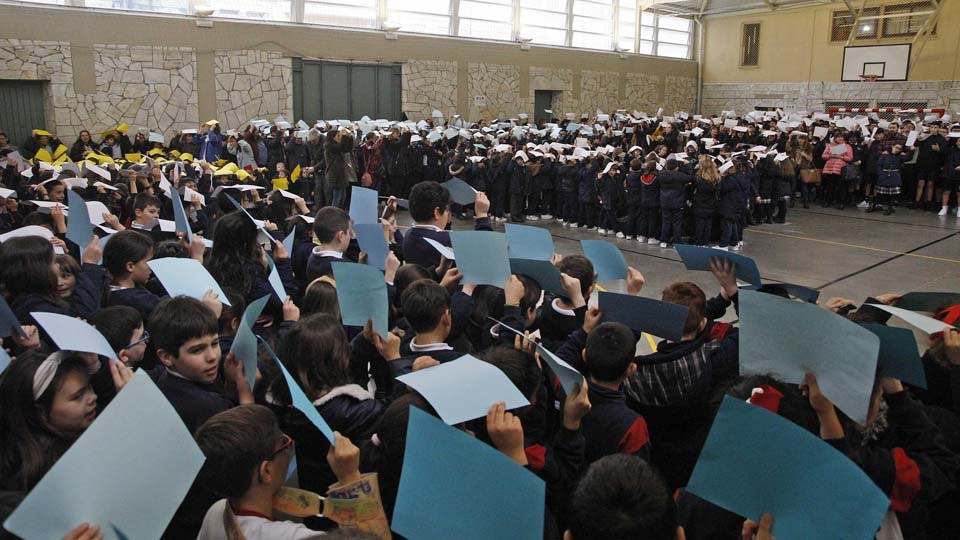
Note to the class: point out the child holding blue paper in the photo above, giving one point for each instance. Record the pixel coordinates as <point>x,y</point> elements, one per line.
<point>29,273</point>
<point>185,335</point>
<point>125,257</point>
<point>561,316</point>
<point>430,210</point>
<point>247,461</point>
<point>333,229</point>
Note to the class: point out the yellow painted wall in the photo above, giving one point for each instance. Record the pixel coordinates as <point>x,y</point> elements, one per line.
<point>795,46</point>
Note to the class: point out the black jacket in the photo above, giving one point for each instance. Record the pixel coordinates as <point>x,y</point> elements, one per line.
<point>673,189</point>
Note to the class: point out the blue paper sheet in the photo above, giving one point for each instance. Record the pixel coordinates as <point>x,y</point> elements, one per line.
<point>299,400</point>
<point>461,192</point>
<point>899,357</point>
<point>608,261</point>
<point>371,240</point>
<point>698,258</point>
<point>661,319</point>
<point>275,282</point>
<point>244,345</point>
<point>4,359</point>
<point>789,339</point>
<point>525,242</point>
<point>481,257</point>
<point>928,325</point>
<point>72,334</point>
<point>9,324</point>
<point>757,462</point>
<point>464,389</point>
<point>454,486</point>
<point>443,250</point>
<point>185,277</point>
<point>135,464</point>
<point>79,228</point>
<point>362,295</point>
<point>543,272</point>
<point>363,205</point>
<point>180,216</point>
<point>288,240</point>
<point>568,375</point>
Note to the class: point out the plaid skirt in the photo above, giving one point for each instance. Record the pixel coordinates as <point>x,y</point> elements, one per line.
<point>887,190</point>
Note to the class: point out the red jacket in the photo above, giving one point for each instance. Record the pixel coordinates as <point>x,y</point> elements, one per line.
<point>836,163</point>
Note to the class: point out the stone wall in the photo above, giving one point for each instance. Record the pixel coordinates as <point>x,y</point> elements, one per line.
<point>818,96</point>
<point>429,85</point>
<point>152,87</point>
<point>600,90</point>
<point>500,85</point>
<point>642,92</point>
<point>679,94</point>
<point>252,85</point>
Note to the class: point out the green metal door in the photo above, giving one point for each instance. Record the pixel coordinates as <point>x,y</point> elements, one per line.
<point>542,100</point>
<point>21,109</point>
<point>338,91</point>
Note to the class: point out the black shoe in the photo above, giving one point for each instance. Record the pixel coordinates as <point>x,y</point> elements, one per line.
<point>806,206</point>
<point>888,211</point>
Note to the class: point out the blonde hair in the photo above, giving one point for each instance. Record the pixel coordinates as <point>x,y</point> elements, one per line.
<point>708,169</point>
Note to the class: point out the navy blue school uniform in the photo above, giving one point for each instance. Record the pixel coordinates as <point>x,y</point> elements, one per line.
<point>518,185</point>
<point>418,251</point>
<point>732,199</point>
<point>556,323</point>
<point>608,186</point>
<point>569,204</point>
<point>298,260</point>
<point>673,196</point>
<point>496,175</point>
<point>634,184</point>
<point>260,285</point>
<point>611,427</point>
<point>705,200</point>
<point>587,197</point>
<point>650,206</point>
<point>84,301</point>
<point>137,297</point>
<point>319,264</point>
<point>194,402</point>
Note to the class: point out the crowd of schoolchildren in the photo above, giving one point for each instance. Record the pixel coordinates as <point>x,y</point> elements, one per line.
<point>615,454</point>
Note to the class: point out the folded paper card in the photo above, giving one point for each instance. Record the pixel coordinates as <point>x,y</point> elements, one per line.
<point>698,258</point>
<point>180,216</point>
<point>363,205</point>
<point>899,357</point>
<point>298,399</point>
<point>464,389</point>
<point>79,228</point>
<point>9,324</point>
<point>568,375</point>
<point>371,240</point>
<point>543,272</point>
<point>362,295</point>
<point>492,497</point>
<point>756,462</point>
<point>460,191</point>
<point>443,250</point>
<point>136,461</point>
<point>186,277</point>
<point>481,257</point>
<point>608,261</point>
<point>525,242</point>
<point>72,334</point>
<point>661,319</point>
<point>927,324</point>
<point>244,345</point>
<point>841,353</point>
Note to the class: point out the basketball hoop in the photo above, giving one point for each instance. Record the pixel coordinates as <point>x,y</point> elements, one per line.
<point>868,78</point>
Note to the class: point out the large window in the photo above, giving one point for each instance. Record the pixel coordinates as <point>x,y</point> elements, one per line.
<point>544,21</point>
<point>899,20</point>
<point>607,25</point>
<point>750,45</point>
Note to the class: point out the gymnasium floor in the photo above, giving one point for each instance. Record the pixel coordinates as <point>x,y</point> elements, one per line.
<point>841,253</point>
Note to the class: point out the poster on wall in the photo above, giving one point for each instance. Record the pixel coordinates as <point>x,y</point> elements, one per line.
<point>480,101</point>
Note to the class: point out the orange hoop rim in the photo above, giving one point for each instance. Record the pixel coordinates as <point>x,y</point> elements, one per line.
<point>871,78</point>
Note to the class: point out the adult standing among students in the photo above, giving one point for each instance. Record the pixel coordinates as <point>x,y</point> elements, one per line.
<point>837,155</point>
<point>341,169</point>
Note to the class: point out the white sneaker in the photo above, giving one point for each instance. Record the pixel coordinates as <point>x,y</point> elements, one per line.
<point>663,244</point>
<point>601,231</point>
<point>533,218</point>
<point>653,241</point>
<point>740,243</point>
<point>564,224</point>
<point>590,228</point>
<point>735,248</point>
<point>642,239</point>
<point>958,211</point>
<point>723,248</point>
<point>561,221</point>
<point>620,235</point>
<point>863,204</point>
<point>574,225</point>
<point>546,216</point>
<point>943,211</point>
